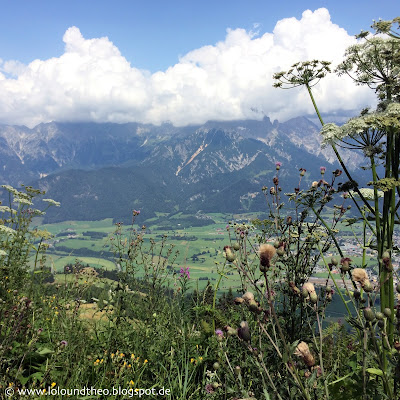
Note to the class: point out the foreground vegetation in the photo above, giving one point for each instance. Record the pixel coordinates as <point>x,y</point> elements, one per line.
<point>148,327</point>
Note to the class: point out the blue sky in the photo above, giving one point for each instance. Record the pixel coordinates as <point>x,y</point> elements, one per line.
<point>153,34</point>
<point>178,61</point>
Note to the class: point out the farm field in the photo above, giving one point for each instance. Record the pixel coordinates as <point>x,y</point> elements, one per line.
<point>200,248</point>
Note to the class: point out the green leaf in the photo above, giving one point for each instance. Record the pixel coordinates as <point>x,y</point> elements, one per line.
<point>45,351</point>
<point>375,371</point>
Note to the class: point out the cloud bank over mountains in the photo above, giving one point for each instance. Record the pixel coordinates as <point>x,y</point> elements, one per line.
<point>92,80</point>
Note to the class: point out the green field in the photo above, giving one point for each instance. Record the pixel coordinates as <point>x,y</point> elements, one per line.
<point>199,247</point>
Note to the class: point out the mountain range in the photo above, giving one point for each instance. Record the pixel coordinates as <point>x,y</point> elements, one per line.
<point>106,170</point>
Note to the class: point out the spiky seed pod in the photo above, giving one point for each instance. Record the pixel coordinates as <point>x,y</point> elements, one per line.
<point>314,298</point>
<point>244,331</point>
<point>334,261</point>
<point>368,286</point>
<point>379,316</point>
<point>387,312</point>
<point>229,254</point>
<point>266,252</point>
<point>369,315</point>
<point>303,351</point>
<point>236,246</point>
<point>248,296</point>
<point>360,275</point>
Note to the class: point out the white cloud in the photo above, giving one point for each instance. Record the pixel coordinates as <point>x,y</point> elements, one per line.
<point>92,81</point>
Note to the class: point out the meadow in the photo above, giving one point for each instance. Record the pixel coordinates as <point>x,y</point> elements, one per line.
<point>229,309</point>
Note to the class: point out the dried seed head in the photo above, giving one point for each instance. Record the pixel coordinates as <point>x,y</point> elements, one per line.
<point>239,300</point>
<point>267,251</point>
<point>360,275</point>
<point>244,331</point>
<point>229,254</point>
<point>248,296</point>
<point>303,351</point>
<point>309,287</point>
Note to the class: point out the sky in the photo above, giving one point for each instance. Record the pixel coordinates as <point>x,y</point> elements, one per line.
<point>183,62</point>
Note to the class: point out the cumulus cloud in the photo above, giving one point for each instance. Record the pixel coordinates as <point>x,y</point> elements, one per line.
<point>92,80</point>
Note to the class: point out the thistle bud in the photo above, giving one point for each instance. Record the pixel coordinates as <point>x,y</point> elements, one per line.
<point>253,306</point>
<point>237,370</point>
<point>216,366</point>
<point>304,293</point>
<point>236,246</point>
<point>334,261</point>
<point>277,244</point>
<point>244,331</point>
<point>313,298</point>
<point>368,286</point>
<point>369,314</point>
<point>229,254</point>
<point>345,264</point>
<point>379,316</point>
<point>302,171</point>
<point>387,312</point>
<point>280,251</point>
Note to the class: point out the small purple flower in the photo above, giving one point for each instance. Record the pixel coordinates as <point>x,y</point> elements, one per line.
<point>63,343</point>
<point>184,273</point>
<point>209,389</point>
<point>278,165</point>
<point>322,169</point>
<point>136,212</point>
<point>219,333</point>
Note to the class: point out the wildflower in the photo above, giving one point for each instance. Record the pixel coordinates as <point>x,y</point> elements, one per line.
<point>7,230</point>
<point>184,273</point>
<point>278,165</point>
<point>135,212</point>
<point>52,202</point>
<point>322,170</point>
<point>63,343</point>
<point>219,333</point>
<point>266,252</point>
<point>303,351</point>
<point>145,361</point>
<point>53,384</point>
